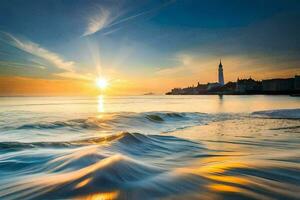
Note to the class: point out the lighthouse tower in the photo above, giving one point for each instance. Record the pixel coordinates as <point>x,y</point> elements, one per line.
<point>221,76</point>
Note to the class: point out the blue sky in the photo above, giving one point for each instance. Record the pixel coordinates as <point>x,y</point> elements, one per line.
<point>127,40</point>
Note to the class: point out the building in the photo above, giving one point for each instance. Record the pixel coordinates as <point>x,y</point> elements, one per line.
<point>176,91</point>
<point>221,76</point>
<point>297,83</point>
<point>212,86</point>
<point>248,85</point>
<point>201,88</point>
<point>229,88</point>
<point>278,85</point>
<point>290,86</point>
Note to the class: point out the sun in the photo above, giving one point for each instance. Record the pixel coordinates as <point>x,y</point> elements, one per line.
<point>101,83</point>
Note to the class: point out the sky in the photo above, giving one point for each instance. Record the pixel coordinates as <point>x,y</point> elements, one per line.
<point>60,47</point>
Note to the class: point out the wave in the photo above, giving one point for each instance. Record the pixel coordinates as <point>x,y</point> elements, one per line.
<point>279,114</point>
<point>94,172</point>
<point>139,166</point>
<point>97,122</point>
<point>119,161</point>
<point>131,144</point>
<point>74,123</point>
<point>109,172</point>
<point>108,123</point>
<point>150,122</point>
<point>123,137</point>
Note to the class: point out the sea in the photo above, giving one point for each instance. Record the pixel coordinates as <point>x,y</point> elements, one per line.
<point>150,147</point>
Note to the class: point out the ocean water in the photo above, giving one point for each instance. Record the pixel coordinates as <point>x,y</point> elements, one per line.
<point>150,147</point>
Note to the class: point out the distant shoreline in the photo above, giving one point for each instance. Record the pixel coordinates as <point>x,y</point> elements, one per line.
<point>292,95</point>
<point>279,86</point>
<point>210,94</point>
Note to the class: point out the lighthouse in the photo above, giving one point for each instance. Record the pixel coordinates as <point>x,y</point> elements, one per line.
<point>221,76</point>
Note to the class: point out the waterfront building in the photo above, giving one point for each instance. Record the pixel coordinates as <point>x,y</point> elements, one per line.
<point>247,85</point>
<point>211,86</point>
<point>221,75</point>
<point>242,86</point>
<point>278,85</point>
<point>297,83</point>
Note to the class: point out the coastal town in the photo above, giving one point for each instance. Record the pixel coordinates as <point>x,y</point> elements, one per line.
<point>284,86</point>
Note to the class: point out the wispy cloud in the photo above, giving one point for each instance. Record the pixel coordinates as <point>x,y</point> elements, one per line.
<point>99,21</point>
<point>188,65</point>
<point>108,17</point>
<point>37,50</point>
<point>45,56</point>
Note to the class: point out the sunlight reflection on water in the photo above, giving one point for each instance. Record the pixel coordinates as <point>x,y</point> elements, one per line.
<point>101,103</point>
<point>101,196</point>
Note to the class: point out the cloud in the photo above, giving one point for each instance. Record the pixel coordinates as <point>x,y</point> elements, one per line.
<point>108,17</point>
<point>40,52</point>
<point>41,57</point>
<point>76,75</point>
<point>98,22</point>
<point>17,64</point>
<point>188,65</point>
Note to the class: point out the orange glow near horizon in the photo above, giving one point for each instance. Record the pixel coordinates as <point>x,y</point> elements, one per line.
<point>23,86</point>
<point>158,81</point>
